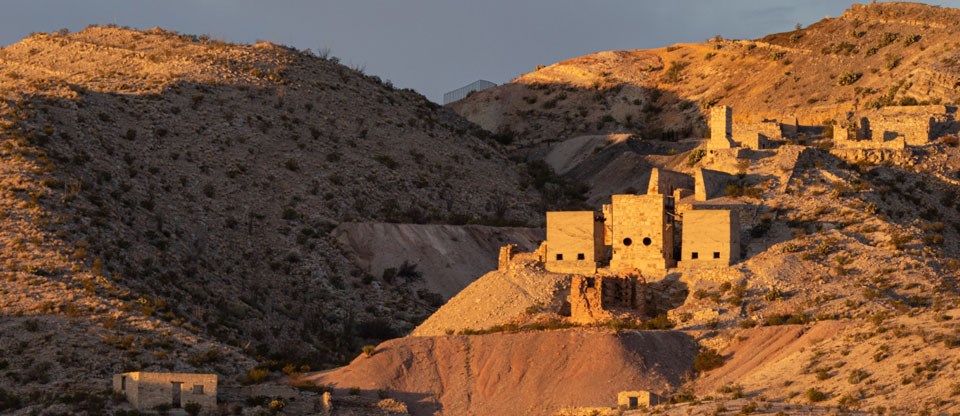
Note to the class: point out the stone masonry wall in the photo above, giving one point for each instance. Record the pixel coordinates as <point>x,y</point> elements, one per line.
<point>709,184</point>
<point>574,242</point>
<point>664,182</point>
<point>148,390</point>
<point>642,235</point>
<point>714,235</point>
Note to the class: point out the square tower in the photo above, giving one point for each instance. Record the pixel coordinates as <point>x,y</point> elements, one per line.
<point>721,128</point>
<point>642,233</point>
<point>574,242</point>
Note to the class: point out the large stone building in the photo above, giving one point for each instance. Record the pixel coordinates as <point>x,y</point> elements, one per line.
<point>725,133</point>
<point>147,391</point>
<point>642,233</point>
<point>574,242</point>
<point>711,238</point>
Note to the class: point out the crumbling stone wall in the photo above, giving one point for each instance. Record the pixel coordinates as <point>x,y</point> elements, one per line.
<point>665,182</point>
<point>709,184</point>
<point>711,238</point>
<point>600,298</point>
<point>574,242</point>
<point>146,391</point>
<point>642,233</point>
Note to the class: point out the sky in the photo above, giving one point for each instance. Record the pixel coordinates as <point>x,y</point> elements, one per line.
<point>435,46</point>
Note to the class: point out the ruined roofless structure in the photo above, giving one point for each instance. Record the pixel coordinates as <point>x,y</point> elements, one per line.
<point>726,134</point>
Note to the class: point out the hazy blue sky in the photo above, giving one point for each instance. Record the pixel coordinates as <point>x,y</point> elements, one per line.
<point>437,45</point>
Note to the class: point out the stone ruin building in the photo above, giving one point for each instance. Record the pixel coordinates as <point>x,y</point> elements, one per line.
<point>895,128</point>
<point>636,239</point>
<point>891,128</point>
<point>147,391</point>
<point>638,399</point>
<point>763,134</point>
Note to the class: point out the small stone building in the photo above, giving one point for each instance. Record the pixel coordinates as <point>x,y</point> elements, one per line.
<point>711,238</point>
<point>638,399</point>
<point>642,233</point>
<point>146,391</point>
<point>574,242</point>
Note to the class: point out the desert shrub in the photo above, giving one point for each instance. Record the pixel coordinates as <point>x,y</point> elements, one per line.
<point>368,350</point>
<point>661,321</point>
<point>849,78</point>
<point>674,73</point>
<point>696,156</point>
<point>707,360</point>
<point>814,395</point>
<point>254,376</point>
<point>192,408</point>
<point>858,375</point>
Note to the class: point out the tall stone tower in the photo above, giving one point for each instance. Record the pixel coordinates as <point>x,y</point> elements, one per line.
<point>721,128</point>
<point>643,234</point>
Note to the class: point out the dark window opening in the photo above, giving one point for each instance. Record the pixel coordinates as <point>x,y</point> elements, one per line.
<point>634,402</point>
<point>694,255</point>
<point>580,256</point>
<point>647,241</point>
<point>591,282</point>
<point>627,241</point>
<point>559,256</point>
<point>123,382</point>
<point>716,254</point>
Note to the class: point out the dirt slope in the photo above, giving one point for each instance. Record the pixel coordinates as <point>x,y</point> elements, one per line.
<point>529,373</point>
<point>450,257</point>
<point>499,297</point>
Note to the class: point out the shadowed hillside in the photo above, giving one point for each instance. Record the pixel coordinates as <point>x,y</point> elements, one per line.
<point>158,188</point>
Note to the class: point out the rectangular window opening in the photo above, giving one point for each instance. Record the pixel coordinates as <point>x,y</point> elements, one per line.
<point>591,282</point>
<point>559,256</point>
<point>694,255</point>
<point>716,254</point>
<point>580,256</point>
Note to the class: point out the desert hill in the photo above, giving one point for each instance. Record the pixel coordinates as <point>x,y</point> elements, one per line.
<point>169,198</point>
<point>875,55</point>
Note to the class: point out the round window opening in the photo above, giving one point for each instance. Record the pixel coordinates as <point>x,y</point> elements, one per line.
<point>647,241</point>
<point>627,241</point>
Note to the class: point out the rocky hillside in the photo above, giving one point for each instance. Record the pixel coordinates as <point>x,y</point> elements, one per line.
<point>874,55</point>
<point>170,198</point>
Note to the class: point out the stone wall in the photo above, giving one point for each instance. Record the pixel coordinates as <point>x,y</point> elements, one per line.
<point>711,238</point>
<point>709,184</point>
<point>757,136</point>
<point>574,242</point>
<point>146,391</point>
<point>642,234</point>
<point>664,182</point>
